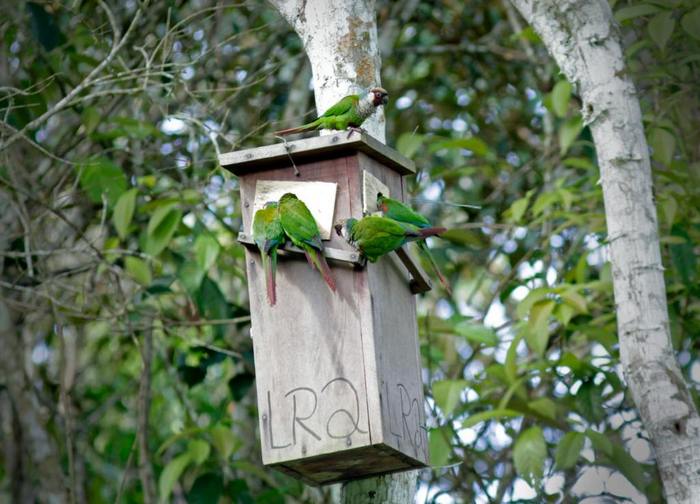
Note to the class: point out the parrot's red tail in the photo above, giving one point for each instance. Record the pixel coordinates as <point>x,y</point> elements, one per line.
<point>271,281</point>
<point>317,260</point>
<point>432,231</point>
<point>326,271</point>
<point>269,263</point>
<point>298,129</point>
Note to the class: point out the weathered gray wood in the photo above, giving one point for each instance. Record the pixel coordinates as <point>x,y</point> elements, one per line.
<point>338,255</point>
<point>420,282</point>
<point>376,490</point>
<point>314,148</point>
<point>337,375</point>
<point>396,343</point>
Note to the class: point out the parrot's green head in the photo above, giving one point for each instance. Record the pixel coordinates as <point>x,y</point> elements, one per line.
<point>270,204</point>
<point>288,197</point>
<point>381,202</point>
<point>344,228</point>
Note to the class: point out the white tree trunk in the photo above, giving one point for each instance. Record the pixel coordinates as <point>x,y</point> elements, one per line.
<point>582,37</point>
<point>340,39</point>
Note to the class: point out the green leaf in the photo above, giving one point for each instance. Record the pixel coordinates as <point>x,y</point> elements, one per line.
<point>462,237</point>
<point>159,215</point>
<point>537,335</point>
<point>683,256</point>
<point>409,143</point>
<point>545,407</point>
<point>474,144</point>
<point>517,209</point>
<point>564,313</point>
<point>532,297</point>
<point>206,250</point>
<point>477,333</point>
<point>199,451</point>
<point>139,270</point>
<point>490,415</point>
<point>628,466</point>
<point>124,212</point>
<point>560,97</point>
<point>90,118</point>
<point>440,448</point>
<point>544,201</point>
<point>529,454</point>
<point>691,23</point>
<point>575,300</point>
<point>568,132</point>
<point>190,275</point>
<point>171,473</point>
<point>161,228</point>
<point>511,364</point>
<point>568,450</point>
<point>207,489</point>
<point>223,440</point>
<point>446,394</point>
<point>663,144</point>
<point>600,442</point>
<point>102,176</point>
<point>635,11</point>
<point>661,28</point>
<point>577,162</point>
<point>589,402</point>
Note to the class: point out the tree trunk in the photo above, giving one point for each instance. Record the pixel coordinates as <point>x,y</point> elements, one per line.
<point>35,438</point>
<point>340,39</point>
<point>582,37</point>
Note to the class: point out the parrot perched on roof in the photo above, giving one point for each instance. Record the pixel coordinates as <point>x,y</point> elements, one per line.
<point>349,112</point>
<point>300,226</point>
<point>404,214</point>
<point>268,235</point>
<point>376,236</point>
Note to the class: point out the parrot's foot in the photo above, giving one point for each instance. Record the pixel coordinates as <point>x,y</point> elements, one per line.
<point>352,130</point>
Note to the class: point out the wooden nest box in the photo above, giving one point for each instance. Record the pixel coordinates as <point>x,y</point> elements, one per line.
<point>338,375</point>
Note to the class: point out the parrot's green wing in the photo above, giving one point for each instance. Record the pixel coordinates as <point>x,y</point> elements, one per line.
<point>267,229</point>
<point>299,224</point>
<point>401,212</point>
<point>376,236</point>
<point>344,106</point>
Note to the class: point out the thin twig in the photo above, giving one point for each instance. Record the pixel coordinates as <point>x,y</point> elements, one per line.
<point>144,405</point>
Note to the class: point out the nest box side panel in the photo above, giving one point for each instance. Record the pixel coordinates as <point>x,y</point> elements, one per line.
<point>310,375</point>
<point>395,337</point>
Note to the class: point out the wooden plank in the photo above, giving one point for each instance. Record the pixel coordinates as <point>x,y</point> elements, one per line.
<point>337,375</point>
<point>420,282</point>
<point>310,149</point>
<point>342,256</point>
<point>395,331</point>
<point>309,375</point>
<point>371,186</point>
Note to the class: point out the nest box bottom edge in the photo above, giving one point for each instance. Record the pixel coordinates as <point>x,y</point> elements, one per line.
<point>356,463</point>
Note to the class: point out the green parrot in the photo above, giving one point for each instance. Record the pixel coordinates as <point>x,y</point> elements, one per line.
<point>300,226</point>
<point>268,235</point>
<point>349,112</point>
<point>376,236</point>
<point>404,214</point>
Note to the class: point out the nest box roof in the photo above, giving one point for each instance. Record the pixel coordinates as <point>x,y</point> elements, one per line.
<point>315,148</point>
